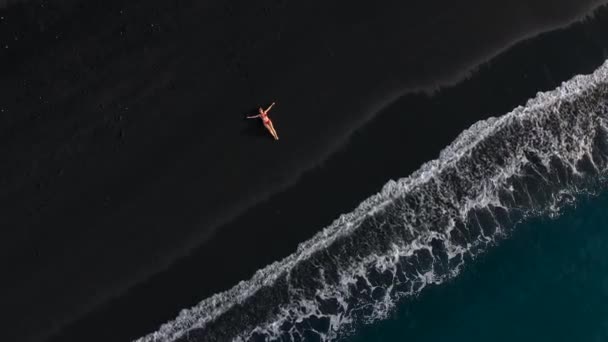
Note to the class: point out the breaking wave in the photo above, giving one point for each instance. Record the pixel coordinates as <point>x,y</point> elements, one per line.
<point>422,229</point>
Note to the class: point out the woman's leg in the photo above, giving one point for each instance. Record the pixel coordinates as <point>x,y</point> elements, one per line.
<point>270,128</point>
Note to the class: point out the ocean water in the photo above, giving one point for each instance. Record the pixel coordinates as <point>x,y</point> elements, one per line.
<point>547,282</point>
<point>420,233</point>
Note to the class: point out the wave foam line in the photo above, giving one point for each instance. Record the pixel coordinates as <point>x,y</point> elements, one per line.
<point>421,229</point>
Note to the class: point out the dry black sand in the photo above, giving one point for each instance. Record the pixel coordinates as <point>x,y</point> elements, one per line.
<point>124,146</point>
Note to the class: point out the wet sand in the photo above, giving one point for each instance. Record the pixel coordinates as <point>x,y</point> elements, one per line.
<point>127,148</point>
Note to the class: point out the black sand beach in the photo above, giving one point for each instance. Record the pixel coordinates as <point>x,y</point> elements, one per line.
<point>125,146</point>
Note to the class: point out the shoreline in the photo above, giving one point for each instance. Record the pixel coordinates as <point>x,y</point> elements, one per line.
<point>115,183</point>
<point>311,185</point>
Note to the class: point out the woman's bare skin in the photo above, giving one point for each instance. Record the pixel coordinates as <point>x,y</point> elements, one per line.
<point>266,120</point>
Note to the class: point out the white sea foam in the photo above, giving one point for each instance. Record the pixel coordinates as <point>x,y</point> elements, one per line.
<point>419,230</point>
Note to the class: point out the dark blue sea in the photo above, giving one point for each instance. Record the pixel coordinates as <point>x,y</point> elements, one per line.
<point>547,282</point>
